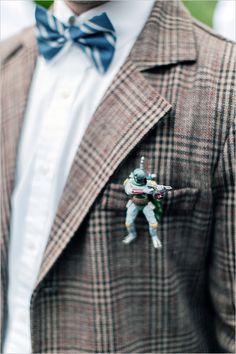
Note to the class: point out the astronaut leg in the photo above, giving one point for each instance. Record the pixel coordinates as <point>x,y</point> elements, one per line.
<point>132,212</point>
<point>153,224</point>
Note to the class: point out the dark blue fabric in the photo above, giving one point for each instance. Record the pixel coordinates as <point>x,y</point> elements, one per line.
<point>96,37</point>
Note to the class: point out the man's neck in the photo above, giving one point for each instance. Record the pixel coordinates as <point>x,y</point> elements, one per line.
<point>78,7</point>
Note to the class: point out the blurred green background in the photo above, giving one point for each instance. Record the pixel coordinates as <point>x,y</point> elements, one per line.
<point>201,9</point>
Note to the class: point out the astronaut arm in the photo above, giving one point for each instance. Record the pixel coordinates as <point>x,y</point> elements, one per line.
<point>127,186</point>
<point>161,191</point>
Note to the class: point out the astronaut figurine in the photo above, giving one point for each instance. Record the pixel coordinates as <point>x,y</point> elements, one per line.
<point>145,195</point>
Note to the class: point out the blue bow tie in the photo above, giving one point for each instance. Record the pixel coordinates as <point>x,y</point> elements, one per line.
<point>96,37</point>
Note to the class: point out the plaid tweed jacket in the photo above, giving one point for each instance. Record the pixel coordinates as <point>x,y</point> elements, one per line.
<point>172,102</point>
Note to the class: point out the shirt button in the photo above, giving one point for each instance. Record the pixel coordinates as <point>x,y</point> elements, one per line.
<point>21,316</point>
<point>71,20</point>
<point>44,169</point>
<point>65,93</point>
<point>31,245</point>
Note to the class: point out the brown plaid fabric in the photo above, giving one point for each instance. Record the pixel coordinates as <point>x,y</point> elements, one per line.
<point>172,102</point>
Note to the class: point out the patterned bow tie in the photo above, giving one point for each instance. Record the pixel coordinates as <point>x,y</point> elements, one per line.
<point>96,37</point>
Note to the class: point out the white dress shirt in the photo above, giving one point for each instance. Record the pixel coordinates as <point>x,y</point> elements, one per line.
<point>63,97</point>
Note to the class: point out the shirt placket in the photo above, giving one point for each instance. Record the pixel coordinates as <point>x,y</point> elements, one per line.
<point>47,155</point>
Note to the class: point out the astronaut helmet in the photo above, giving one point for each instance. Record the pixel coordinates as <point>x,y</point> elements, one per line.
<point>139,177</point>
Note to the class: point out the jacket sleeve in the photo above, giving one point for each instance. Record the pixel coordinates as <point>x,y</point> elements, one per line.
<point>222,256</point>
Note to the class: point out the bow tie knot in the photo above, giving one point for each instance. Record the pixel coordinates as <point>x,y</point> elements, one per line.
<point>96,37</point>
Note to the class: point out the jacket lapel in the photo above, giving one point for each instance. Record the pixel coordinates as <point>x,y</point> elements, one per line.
<point>128,112</point>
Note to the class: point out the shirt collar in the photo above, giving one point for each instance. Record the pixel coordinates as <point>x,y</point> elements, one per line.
<point>127,17</point>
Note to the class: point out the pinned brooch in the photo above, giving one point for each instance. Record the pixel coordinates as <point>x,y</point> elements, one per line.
<point>145,195</point>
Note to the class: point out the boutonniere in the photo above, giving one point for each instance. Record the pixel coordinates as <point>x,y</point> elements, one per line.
<point>144,196</point>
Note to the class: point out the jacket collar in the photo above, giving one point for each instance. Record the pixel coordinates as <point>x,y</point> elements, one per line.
<point>167,38</point>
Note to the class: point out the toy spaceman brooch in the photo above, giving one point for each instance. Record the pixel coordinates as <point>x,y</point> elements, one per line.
<point>145,195</point>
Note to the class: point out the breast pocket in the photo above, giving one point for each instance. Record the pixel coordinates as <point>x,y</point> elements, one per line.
<point>180,201</point>
<point>180,229</point>
<point>114,197</point>
<point>177,202</point>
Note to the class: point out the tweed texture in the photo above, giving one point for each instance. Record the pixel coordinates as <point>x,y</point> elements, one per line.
<point>172,102</point>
